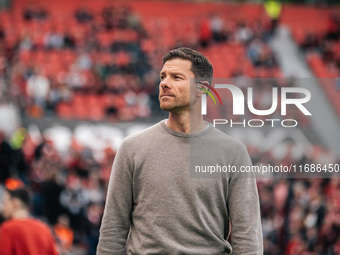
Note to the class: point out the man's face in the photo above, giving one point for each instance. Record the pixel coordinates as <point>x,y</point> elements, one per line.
<point>174,88</point>
<point>8,206</point>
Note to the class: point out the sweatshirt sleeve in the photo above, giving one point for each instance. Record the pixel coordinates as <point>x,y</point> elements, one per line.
<point>117,213</point>
<point>244,209</point>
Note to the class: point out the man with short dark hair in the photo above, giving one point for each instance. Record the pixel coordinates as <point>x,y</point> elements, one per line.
<point>154,205</point>
<point>20,234</point>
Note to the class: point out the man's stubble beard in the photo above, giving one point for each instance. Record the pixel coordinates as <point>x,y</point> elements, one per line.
<point>175,108</point>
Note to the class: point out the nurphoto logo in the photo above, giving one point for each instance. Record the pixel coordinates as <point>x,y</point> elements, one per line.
<point>239,102</point>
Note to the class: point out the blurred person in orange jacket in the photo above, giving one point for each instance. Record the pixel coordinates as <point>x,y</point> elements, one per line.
<point>64,233</point>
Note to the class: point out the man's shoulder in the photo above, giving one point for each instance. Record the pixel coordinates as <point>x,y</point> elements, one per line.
<point>11,226</point>
<point>27,222</point>
<point>6,225</point>
<point>143,136</point>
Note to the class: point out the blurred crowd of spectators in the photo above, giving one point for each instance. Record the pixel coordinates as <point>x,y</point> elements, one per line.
<point>299,215</point>
<point>326,45</point>
<point>252,37</point>
<point>322,51</point>
<point>45,60</point>
<point>245,59</point>
<point>68,191</point>
<point>112,57</point>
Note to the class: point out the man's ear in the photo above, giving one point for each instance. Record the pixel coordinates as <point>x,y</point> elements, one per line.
<point>17,204</point>
<point>202,87</point>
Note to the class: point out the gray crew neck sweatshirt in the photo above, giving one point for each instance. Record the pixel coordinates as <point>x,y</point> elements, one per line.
<point>155,206</point>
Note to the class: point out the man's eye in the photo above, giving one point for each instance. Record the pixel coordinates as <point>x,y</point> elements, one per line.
<point>162,77</point>
<point>178,77</point>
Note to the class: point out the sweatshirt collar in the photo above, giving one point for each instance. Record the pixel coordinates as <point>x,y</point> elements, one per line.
<point>191,135</point>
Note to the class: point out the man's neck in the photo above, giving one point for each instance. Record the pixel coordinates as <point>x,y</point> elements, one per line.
<point>20,214</point>
<point>185,123</point>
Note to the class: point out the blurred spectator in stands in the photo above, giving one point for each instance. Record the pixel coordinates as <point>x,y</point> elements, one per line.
<point>38,87</point>
<point>19,165</point>
<point>84,60</point>
<point>254,51</point>
<point>261,54</point>
<point>53,40</point>
<point>5,158</point>
<point>69,40</point>
<point>93,217</point>
<point>83,15</point>
<point>310,42</point>
<point>64,234</point>
<point>205,32</point>
<point>74,199</point>
<point>109,155</point>
<point>326,50</point>
<point>273,9</point>
<point>50,191</point>
<point>108,17</point>
<point>333,27</point>
<point>268,59</point>
<point>33,11</point>
<point>219,31</point>
<point>53,98</point>
<point>2,33</point>
<point>122,15</point>
<point>94,190</point>
<point>243,33</point>
<point>75,79</point>
<point>311,239</point>
<point>25,42</point>
<point>46,162</point>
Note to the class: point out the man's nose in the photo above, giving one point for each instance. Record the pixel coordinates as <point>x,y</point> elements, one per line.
<point>165,83</point>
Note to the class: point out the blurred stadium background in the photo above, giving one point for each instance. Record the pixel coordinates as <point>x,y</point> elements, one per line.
<point>76,77</point>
